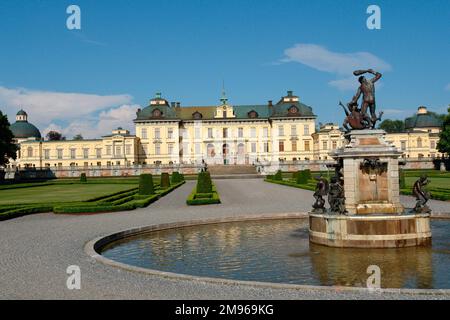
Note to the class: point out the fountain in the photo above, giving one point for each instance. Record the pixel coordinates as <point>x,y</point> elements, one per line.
<point>364,194</point>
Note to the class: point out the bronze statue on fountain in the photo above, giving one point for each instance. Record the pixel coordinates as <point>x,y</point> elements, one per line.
<point>357,118</point>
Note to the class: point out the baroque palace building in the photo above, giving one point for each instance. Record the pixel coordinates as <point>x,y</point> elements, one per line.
<point>225,134</point>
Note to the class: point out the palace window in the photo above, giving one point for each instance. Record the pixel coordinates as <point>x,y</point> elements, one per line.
<point>85,153</point>
<point>293,130</point>
<point>306,130</point>
<point>419,142</point>
<point>144,133</point>
<point>240,132</point>
<point>307,147</point>
<point>253,132</point>
<point>59,153</point>
<point>156,113</point>
<point>197,115</point>
<point>108,150</point>
<point>157,133</point>
<point>98,152</point>
<point>197,148</point>
<point>334,144</point>
<point>73,153</point>
<point>29,152</point>
<point>266,147</point>
<point>433,144</point>
<point>47,154</point>
<point>294,145</point>
<point>118,151</point>
<point>253,114</point>
<point>128,149</point>
<point>281,130</point>
<point>253,147</point>
<point>324,145</point>
<point>265,132</point>
<point>157,149</point>
<point>225,132</point>
<point>403,145</point>
<point>170,133</point>
<point>170,148</point>
<point>281,146</point>
<point>197,133</point>
<point>210,133</point>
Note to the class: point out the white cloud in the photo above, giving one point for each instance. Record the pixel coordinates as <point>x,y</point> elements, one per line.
<point>340,64</point>
<point>322,59</point>
<point>95,128</point>
<point>45,107</point>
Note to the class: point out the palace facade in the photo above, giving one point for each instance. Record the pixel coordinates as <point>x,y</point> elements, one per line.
<point>225,134</point>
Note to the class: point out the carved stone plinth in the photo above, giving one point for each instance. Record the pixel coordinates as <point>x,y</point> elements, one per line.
<point>370,172</point>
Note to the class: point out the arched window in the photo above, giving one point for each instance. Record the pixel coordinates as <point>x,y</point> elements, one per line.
<point>293,110</point>
<point>197,115</point>
<point>156,113</point>
<point>419,142</point>
<point>253,114</point>
<point>210,151</point>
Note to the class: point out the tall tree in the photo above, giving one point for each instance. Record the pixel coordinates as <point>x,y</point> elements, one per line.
<point>8,148</point>
<point>78,137</point>
<point>444,137</point>
<point>392,126</point>
<point>55,136</point>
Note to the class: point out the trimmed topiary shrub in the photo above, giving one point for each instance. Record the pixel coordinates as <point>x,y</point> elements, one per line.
<point>204,183</point>
<point>176,177</point>
<point>165,180</point>
<point>83,177</point>
<point>307,174</point>
<point>278,176</point>
<point>146,186</point>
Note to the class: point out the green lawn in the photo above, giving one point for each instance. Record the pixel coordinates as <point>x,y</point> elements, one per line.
<point>435,182</point>
<point>59,193</point>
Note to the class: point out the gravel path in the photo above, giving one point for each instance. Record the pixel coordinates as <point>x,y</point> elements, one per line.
<point>35,250</point>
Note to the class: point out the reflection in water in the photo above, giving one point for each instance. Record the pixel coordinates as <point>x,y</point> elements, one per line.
<point>279,251</point>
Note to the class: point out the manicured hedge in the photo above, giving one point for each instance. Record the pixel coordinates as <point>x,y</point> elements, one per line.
<point>402,180</point>
<point>292,184</point>
<point>278,176</point>
<point>177,177</point>
<point>146,186</point>
<point>83,177</point>
<point>130,202</point>
<point>24,211</point>
<point>196,199</point>
<point>204,183</point>
<point>165,180</point>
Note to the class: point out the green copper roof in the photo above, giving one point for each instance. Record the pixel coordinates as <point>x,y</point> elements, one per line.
<point>21,113</point>
<point>23,129</point>
<point>425,120</point>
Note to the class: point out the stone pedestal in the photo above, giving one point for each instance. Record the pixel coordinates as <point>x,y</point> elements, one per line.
<point>370,169</point>
<point>374,217</point>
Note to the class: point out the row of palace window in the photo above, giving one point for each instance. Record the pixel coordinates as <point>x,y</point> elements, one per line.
<point>419,144</point>
<point>333,145</point>
<point>226,132</point>
<point>118,151</point>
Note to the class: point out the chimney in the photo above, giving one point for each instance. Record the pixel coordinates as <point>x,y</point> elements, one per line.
<point>289,93</point>
<point>178,104</point>
<point>270,103</point>
<point>172,104</point>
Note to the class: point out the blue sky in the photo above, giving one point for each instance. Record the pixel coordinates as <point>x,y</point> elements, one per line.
<point>93,79</point>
